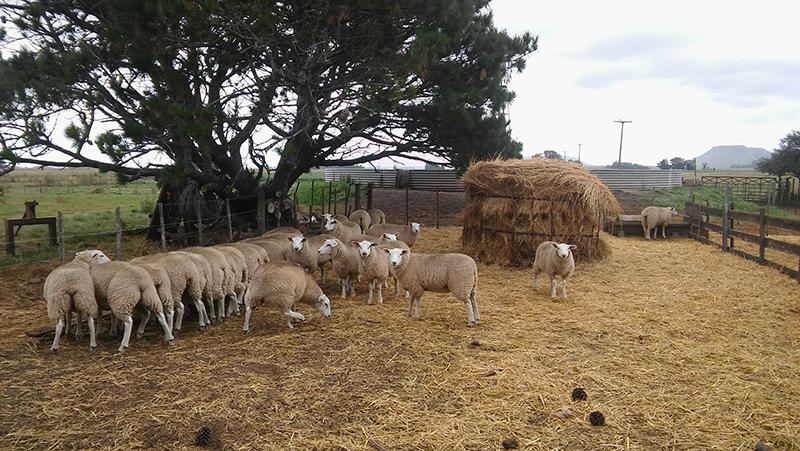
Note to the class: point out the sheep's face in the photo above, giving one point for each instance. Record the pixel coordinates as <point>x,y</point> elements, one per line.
<point>396,256</point>
<point>323,305</point>
<point>563,250</point>
<point>92,257</point>
<point>414,227</point>
<point>327,247</point>
<point>386,237</point>
<point>365,247</point>
<point>673,211</point>
<point>298,242</point>
<point>330,225</point>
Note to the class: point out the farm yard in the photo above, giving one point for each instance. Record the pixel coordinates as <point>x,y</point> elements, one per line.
<point>679,345</point>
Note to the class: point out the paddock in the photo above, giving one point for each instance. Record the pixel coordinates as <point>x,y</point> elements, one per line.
<point>679,345</point>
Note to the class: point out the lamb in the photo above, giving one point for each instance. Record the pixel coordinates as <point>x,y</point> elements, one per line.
<point>554,259</point>
<point>652,217</point>
<point>345,263</point>
<point>344,230</point>
<point>376,217</point>
<point>389,241</point>
<point>406,233</point>
<point>121,287</point>
<point>373,267</point>
<point>69,287</point>
<point>283,284</point>
<point>443,273</point>
<point>362,218</point>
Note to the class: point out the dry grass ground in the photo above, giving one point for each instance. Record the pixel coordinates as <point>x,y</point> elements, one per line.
<point>680,346</point>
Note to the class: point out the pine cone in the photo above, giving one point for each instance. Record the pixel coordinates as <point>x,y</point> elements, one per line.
<point>510,443</point>
<point>597,418</point>
<point>203,436</point>
<point>578,394</point>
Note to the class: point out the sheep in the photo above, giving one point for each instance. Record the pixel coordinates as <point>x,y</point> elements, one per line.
<point>554,259</point>
<point>222,278</point>
<point>206,280</point>
<point>389,241</point>
<point>344,260</point>
<point>283,284</point>
<point>344,230</point>
<point>69,287</point>
<point>301,253</point>
<point>376,217</point>
<point>406,233</point>
<point>362,218</point>
<point>281,231</point>
<point>328,216</point>
<point>121,287</point>
<point>241,276</point>
<point>164,289</point>
<point>373,267</point>
<point>652,217</point>
<point>454,273</point>
<point>314,243</point>
<point>185,279</point>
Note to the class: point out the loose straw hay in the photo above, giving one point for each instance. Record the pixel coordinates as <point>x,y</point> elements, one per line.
<point>514,205</point>
<point>681,346</point>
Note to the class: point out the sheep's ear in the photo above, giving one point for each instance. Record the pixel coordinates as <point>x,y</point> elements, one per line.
<point>373,244</point>
<point>555,245</point>
<point>572,247</point>
<point>289,238</point>
<point>386,250</point>
<point>304,239</point>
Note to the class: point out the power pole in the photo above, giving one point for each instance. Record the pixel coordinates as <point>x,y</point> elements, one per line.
<point>621,130</point>
<point>579,151</point>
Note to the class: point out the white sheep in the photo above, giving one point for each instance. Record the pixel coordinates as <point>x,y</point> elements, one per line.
<point>204,271</point>
<point>123,286</point>
<point>241,277</point>
<point>222,279</point>
<point>282,284</point>
<point>373,267</point>
<point>405,233</point>
<point>652,217</point>
<point>69,287</point>
<point>390,241</point>
<point>344,260</point>
<point>301,253</point>
<point>554,259</point>
<point>164,289</point>
<point>454,273</point>
<point>376,216</point>
<point>344,230</point>
<point>328,216</point>
<point>362,218</point>
<point>314,243</point>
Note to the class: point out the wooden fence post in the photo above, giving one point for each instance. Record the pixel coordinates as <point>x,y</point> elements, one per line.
<point>369,196</point>
<point>161,228</point>
<point>407,204</point>
<point>762,237</point>
<point>261,211</point>
<point>119,234</point>
<point>311,201</point>
<point>230,223</point>
<point>199,213</point>
<point>61,244</point>
<point>725,216</point>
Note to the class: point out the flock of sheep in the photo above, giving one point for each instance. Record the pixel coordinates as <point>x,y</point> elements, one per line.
<point>276,269</point>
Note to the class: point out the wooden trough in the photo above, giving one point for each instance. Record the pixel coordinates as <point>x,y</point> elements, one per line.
<point>631,225</point>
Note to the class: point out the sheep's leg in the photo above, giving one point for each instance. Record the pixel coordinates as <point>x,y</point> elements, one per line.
<point>170,315</point>
<point>247,311</point>
<point>396,286</point>
<point>664,231</point>
<point>352,285</point>
<point>344,288</point>
<point>371,285</point>
<point>416,309</point>
<point>646,232</point>
<point>180,309</point>
<point>473,299</point>
<point>470,315</point>
<point>59,329</point>
<point>167,329</point>
<point>290,315</point>
<point>553,284</point>
<point>126,337</point>
<point>211,313</point>
<point>322,270</point>
<point>535,286</point>
<point>564,287</point>
<point>221,308</point>
<point>380,291</point>
<point>92,341</point>
<point>143,324</point>
<point>410,306</point>
<point>201,313</point>
<point>112,331</point>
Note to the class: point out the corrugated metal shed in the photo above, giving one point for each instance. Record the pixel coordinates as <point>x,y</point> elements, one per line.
<point>639,179</point>
<point>382,178</point>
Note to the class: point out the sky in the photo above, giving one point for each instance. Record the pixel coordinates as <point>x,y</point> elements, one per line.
<point>690,75</point>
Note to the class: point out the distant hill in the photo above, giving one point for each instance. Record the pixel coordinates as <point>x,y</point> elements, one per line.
<point>725,157</point>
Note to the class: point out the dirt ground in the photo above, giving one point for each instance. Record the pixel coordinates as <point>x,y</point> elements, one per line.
<point>679,345</point>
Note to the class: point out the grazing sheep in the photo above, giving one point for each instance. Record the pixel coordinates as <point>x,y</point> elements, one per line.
<point>406,233</point>
<point>204,270</point>
<point>373,267</point>
<point>164,289</point>
<point>376,217</point>
<point>69,287</point>
<point>362,218</point>
<point>554,259</point>
<point>344,260</point>
<point>281,231</point>
<point>241,277</point>
<point>442,273</point>
<point>314,243</point>
<point>185,279</point>
<point>652,217</point>
<point>344,230</point>
<point>282,284</point>
<point>222,279</point>
<point>123,286</point>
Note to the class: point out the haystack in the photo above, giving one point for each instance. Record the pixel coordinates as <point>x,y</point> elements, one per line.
<point>512,206</point>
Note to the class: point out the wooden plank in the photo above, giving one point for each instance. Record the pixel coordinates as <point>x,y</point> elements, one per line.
<point>784,223</point>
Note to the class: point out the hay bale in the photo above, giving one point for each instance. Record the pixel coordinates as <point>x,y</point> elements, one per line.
<point>514,205</point>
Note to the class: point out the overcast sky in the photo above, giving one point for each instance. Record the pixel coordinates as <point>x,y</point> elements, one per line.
<point>690,74</point>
